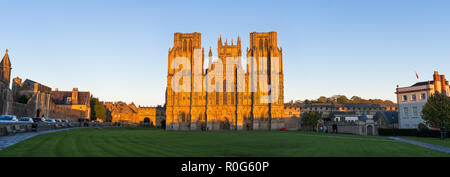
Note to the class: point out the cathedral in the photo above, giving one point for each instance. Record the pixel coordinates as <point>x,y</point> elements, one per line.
<point>250,99</point>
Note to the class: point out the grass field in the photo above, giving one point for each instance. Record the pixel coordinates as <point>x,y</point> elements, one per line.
<point>132,142</point>
<point>435,141</point>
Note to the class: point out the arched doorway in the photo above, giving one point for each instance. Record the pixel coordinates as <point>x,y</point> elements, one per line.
<point>38,113</point>
<point>147,122</point>
<point>247,123</point>
<point>225,124</point>
<point>369,130</point>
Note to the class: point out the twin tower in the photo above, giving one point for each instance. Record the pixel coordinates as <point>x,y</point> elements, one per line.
<point>243,103</point>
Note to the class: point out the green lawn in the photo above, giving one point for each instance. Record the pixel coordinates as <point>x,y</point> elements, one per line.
<point>435,141</point>
<point>150,142</point>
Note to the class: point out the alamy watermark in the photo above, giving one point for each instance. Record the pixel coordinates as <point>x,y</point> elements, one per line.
<point>189,76</point>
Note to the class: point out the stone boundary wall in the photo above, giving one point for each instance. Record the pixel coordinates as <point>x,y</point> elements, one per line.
<point>348,129</point>
<point>23,110</point>
<point>256,124</point>
<point>29,127</point>
<point>62,112</point>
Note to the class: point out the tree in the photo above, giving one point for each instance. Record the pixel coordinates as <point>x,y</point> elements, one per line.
<point>307,101</point>
<point>341,99</point>
<point>356,99</point>
<point>322,99</point>
<point>98,111</point>
<point>310,118</point>
<point>436,111</point>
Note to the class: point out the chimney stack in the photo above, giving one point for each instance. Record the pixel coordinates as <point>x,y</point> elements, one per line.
<point>443,84</point>
<point>75,96</point>
<point>436,78</point>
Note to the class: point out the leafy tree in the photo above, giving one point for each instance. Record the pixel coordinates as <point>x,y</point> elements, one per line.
<point>310,118</point>
<point>341,99</point>
<point>356,99</point>
<point>98,110</point>
<point>322,99</point>
<point>436,111</point>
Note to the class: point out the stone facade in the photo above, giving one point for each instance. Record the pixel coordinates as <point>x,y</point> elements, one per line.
<point>412,99</point>
<point>226,108</point>
<point>75,99</point>
<point>123,112</point>
<point>5,78</point>
<point>32,99</point>
<point>333,111</point>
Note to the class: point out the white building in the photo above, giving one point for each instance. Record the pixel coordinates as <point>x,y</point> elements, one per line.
<point>411,99</point>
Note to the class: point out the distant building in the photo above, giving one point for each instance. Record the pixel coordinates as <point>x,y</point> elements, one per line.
<point>291,111</point>
<point>412,99</point>
<point>77,100</point>
<point>123,112</point>
<point>349,111</point>
<point>387,119</point>
<point>33,99</point>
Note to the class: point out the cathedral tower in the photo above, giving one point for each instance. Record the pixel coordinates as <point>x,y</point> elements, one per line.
<point>182,105</point>
<point>5,71</point>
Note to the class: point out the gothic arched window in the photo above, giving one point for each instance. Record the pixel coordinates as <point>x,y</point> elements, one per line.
<point>266,44</point>
<point>260,44</point>
<point>190,45</point>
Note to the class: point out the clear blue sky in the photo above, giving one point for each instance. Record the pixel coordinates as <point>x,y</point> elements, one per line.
<point>118,49</point>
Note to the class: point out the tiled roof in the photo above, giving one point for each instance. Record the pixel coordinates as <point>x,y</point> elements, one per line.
<point>389,116</point>
<point>422,83</point>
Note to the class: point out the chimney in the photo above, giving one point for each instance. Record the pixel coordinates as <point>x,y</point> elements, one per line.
<point>443,83</point>
<point>75,96</point>
<point>436,78</point>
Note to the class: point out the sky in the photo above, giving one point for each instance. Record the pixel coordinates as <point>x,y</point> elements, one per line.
<point>118,50</point>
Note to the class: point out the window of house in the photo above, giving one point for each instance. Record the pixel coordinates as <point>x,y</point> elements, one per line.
<point>423,96</point>
<point>405,110</point>
<point>405,98</point>
<point>416,114</point>
<point>414,97</point>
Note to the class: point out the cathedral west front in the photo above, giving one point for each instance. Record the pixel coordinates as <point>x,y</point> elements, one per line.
<point>225,94</point>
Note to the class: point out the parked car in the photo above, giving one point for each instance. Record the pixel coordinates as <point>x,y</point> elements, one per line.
<point>26,120</point>
<point>8,118</point>
<point>66,122</point>
<point>52,121</point>
<point>83,120</point>
<point>38,120</point>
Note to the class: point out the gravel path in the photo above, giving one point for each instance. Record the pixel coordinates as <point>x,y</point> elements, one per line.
<point>422,144</point>
<point>6,141</point>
